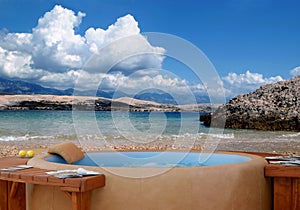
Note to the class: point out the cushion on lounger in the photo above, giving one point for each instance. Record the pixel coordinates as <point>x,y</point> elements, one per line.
<point>69,151</point>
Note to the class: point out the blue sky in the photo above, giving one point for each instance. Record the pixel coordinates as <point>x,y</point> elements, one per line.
<point>250,42</point>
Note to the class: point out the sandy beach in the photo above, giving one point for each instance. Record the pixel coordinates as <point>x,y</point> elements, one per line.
<point>12,148</point>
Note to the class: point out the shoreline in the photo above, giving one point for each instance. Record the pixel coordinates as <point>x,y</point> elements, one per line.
<point>94,103</point>
<point>11,148</point>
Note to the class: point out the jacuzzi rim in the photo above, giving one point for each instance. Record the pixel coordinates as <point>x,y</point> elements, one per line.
<point>40,162</point>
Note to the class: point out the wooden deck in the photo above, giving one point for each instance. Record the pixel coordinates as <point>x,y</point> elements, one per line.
<point>13,185</point>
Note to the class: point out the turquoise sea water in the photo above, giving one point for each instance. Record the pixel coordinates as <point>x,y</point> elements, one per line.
<point>120,127</point>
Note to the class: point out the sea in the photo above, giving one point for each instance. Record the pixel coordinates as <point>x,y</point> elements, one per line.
<point>109,129</point>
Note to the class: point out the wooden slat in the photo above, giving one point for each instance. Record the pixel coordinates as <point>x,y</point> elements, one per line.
<point>68,194</point>
<point>55,181</point>
<point>75,182</point>
<point>3,195</point>
<point>28,174</point>
<point>70,189</point>
<point>90,184</point>
<point>18,201</point>
<point>15,175</point>
<point>295,194</point>
<point>41,178</point>
<point>272,170</point>
<point>80,201</point>
<point>13,190</point>
<point>282,193</point>
<point>85,184</point>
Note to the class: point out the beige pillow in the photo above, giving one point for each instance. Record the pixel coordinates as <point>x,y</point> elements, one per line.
<point>69,151</point>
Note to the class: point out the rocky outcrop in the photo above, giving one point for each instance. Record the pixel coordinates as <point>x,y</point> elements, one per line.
<point>206,118</point>
<point>271,107</point>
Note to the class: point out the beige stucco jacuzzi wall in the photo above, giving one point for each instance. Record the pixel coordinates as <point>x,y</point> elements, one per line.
<point>240,186</point>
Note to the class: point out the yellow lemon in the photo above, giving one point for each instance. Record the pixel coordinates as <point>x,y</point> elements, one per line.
<point>30,153</point>
<point>22,153</point>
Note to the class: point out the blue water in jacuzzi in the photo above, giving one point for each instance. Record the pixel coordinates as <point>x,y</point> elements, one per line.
<point>153,159</point>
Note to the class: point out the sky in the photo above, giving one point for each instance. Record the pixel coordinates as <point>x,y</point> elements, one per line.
<point>54,43</point>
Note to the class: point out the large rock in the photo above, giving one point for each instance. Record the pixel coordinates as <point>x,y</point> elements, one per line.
<point>271,107</point>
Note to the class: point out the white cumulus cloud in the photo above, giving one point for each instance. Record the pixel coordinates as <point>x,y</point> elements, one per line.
<point>235,84</point>
<point>98,38</point>
<point>54,55</point>
<point>15,64</point>
<point>295,71</point>
<point>127,55</point>
<point>56,47</point>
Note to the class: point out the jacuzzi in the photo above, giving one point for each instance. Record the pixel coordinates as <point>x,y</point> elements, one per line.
<point>164,180</point>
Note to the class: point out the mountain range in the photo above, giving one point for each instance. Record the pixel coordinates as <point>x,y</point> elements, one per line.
<point>8,87</point>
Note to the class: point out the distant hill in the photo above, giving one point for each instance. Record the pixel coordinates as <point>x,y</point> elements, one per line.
<point>21,87</point>
<point>163,98</point>
<point>83,103</point>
